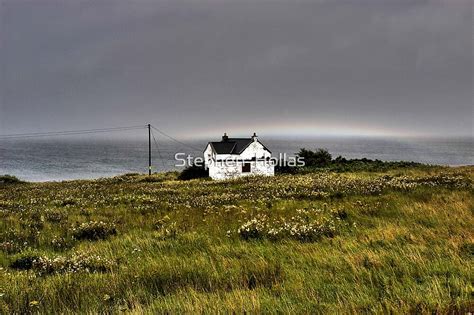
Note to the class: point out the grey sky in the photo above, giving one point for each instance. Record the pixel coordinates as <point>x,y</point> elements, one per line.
<point>197,68</point>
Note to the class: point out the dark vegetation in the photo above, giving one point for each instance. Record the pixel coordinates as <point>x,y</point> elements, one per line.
<point>193,172</point>
<point>321,159</point>
<point>9,179</point>
<point>94,230</point>
<point>318,158</point>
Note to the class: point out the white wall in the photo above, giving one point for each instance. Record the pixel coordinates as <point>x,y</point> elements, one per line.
<point>208,154</point>
<point>255,149</point>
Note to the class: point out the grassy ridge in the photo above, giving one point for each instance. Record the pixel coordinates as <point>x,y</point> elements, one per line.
<point>399,240</point>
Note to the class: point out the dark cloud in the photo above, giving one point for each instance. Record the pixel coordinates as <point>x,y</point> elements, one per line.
<point>203,66</point>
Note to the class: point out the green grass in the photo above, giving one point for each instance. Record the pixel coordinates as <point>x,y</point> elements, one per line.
<point>398,240</point>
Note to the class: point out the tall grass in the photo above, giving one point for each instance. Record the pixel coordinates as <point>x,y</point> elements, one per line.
<point>403,243</point>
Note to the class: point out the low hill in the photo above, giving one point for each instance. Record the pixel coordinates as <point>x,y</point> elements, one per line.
<point>398,241</point>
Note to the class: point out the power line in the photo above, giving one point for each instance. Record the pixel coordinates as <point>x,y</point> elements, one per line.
<point>159,153</point>
<point>102,130</point>
<point>68,133</point>
<point>90,131</point>
<point>74,131</point>
<point>174,139</point>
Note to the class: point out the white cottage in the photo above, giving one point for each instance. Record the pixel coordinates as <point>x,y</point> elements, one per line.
<point>235,157</point>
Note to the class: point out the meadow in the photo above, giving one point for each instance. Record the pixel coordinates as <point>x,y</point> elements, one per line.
<point>398,240</point>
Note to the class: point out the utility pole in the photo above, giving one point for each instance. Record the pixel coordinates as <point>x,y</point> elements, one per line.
<point>149,149</point>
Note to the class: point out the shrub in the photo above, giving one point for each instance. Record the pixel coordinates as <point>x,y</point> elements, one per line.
<point>308,226</point>
<point>9,179</point>
<point>194,171</point>
<point>341,164</point>
<point>24,262</point>
<point>255,228</point>
<point>318,158</point>
<point>94,230</point>
<point>76,263</point>
<point>322,158</point>
<point>283,168</point>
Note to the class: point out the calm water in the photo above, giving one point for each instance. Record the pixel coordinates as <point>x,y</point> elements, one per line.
<point>62,159</point>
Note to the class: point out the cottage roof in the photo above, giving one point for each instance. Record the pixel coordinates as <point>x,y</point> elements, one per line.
<point>232,145</point>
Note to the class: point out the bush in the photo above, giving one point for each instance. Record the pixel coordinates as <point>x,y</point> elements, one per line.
<point>321,158</point>
<point>9,179</point>
<point>255,228</point>
<point>283,168</point>
<point>309,225</point>
<point>75,263</point>
<point>341,164</point>
<point>194,171</point>
<point>94,230</point>
<point>318,158</point>
<point>24,263</point>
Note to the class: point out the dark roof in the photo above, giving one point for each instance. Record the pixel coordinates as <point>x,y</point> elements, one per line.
<point>232,145</point>
<point>223,147</point>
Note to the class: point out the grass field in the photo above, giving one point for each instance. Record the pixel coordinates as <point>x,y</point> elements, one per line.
<point>398,241</point>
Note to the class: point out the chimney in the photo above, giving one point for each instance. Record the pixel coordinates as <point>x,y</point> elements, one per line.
<point>225,137</point>
<point>254,137</point>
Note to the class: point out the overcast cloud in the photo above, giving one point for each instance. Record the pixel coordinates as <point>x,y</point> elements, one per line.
<point>201,67</point>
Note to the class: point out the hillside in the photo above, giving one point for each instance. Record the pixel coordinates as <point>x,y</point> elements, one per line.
<point>399,240</point>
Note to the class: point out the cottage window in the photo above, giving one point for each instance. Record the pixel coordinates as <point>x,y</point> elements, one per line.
<point>246,168</point>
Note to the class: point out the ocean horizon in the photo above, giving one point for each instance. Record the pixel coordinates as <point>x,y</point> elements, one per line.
<point>58,159</point>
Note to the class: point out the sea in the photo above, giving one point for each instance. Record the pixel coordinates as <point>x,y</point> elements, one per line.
<point>64,158</point>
